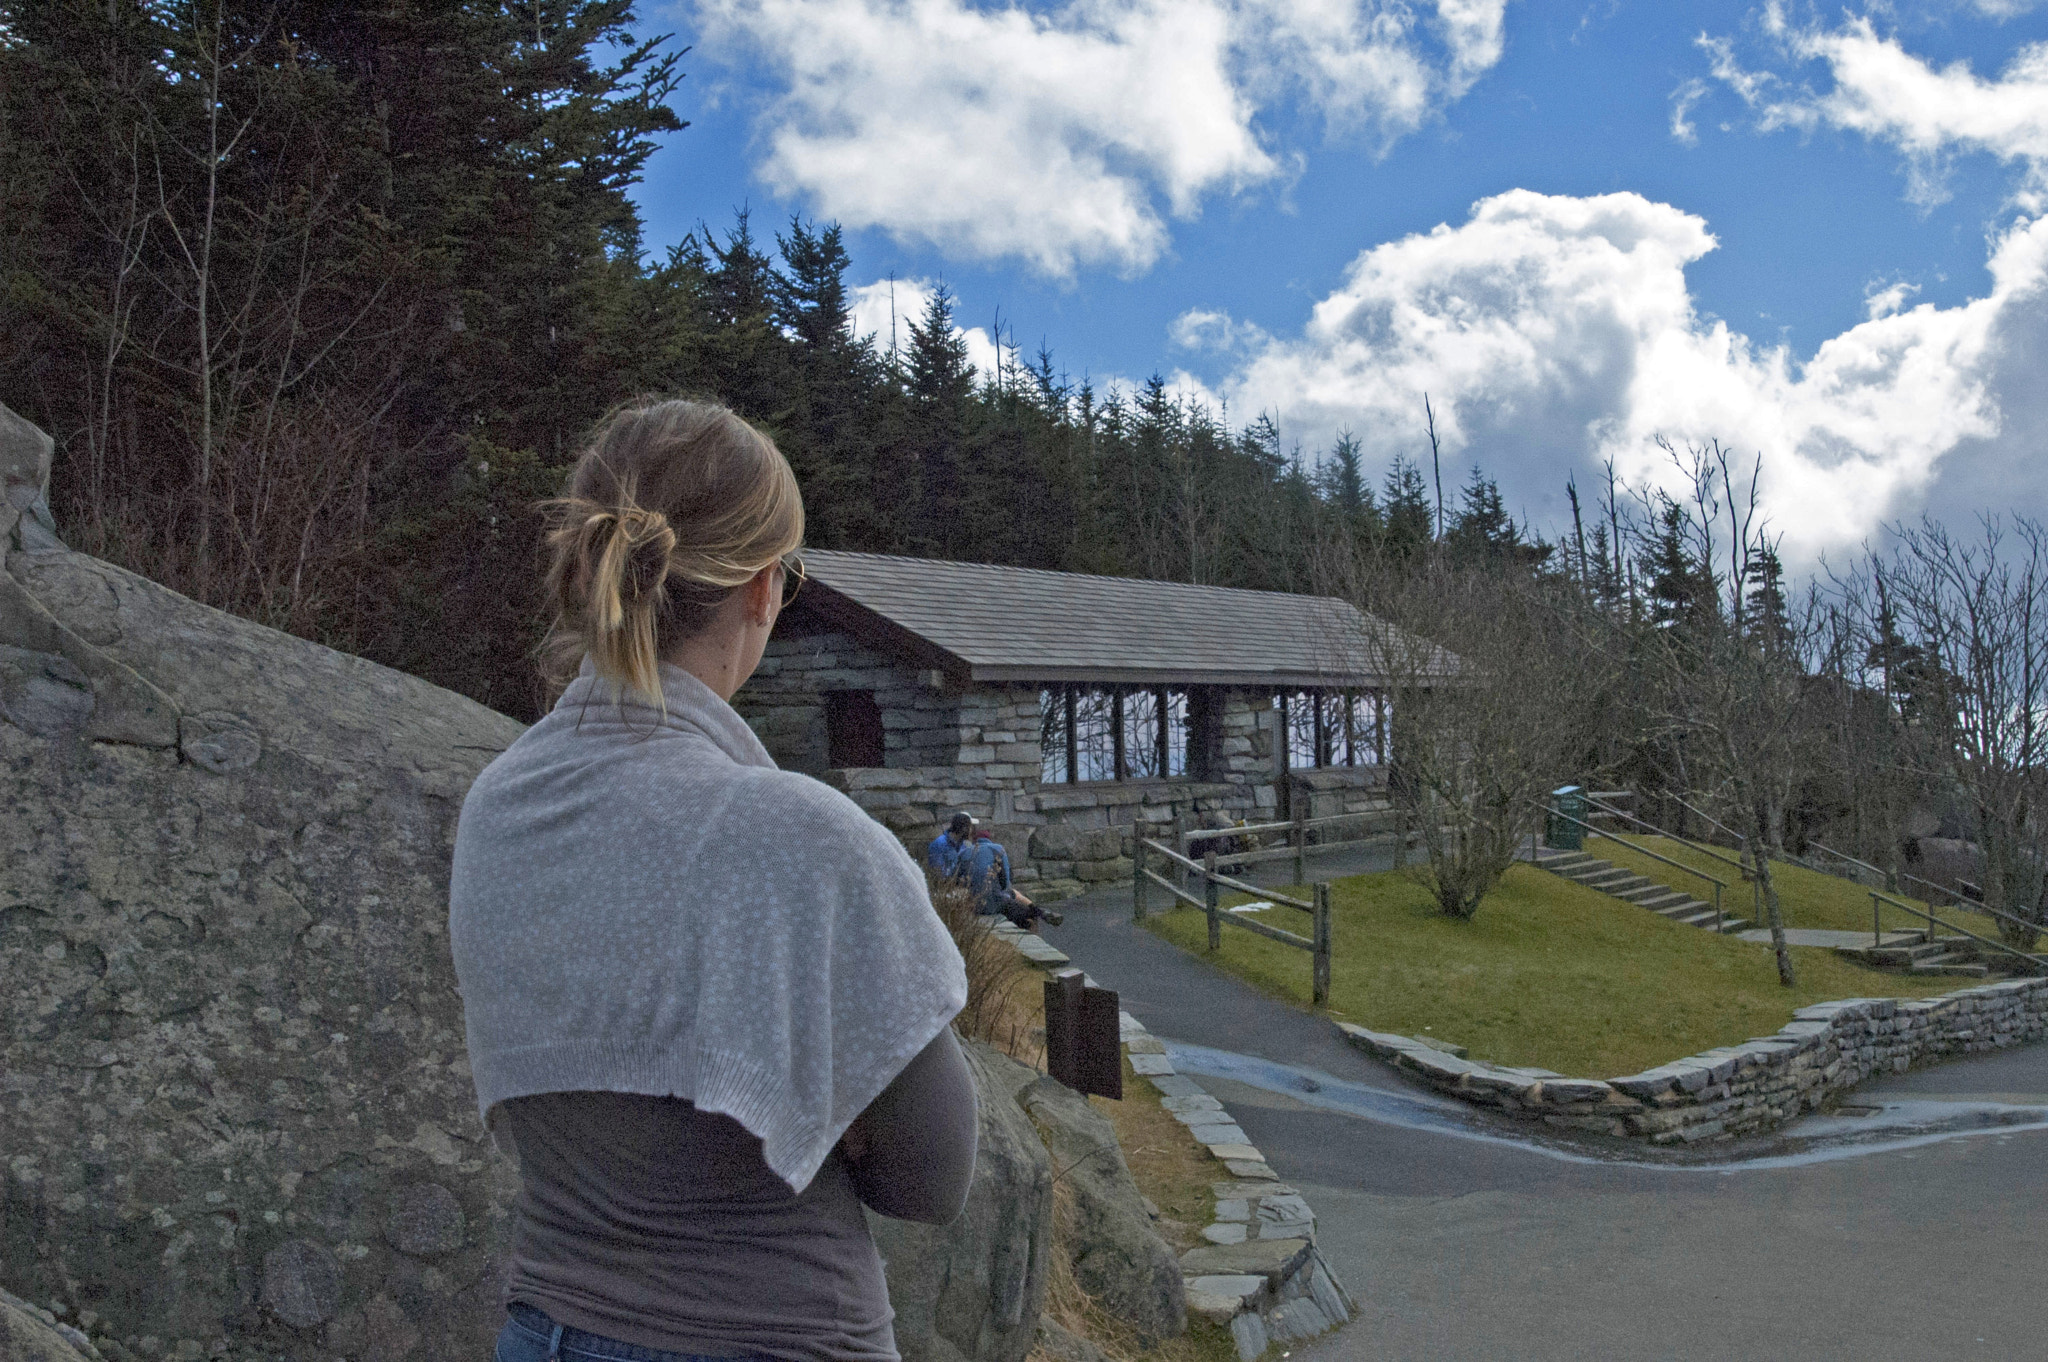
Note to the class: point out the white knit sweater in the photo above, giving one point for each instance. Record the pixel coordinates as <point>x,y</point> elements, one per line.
<point>645,903</point>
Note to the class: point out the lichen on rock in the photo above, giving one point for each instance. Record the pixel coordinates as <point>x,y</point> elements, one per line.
<point>231,1049</point>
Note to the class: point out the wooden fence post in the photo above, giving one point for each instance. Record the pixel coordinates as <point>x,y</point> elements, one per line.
<point>1137,879</point>
<point>1209,899</point>
<point>1179,843</point>
<point>1299,802</point>
<point>1322,955</point>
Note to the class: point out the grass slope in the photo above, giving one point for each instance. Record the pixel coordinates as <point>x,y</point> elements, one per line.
<point>1548,973</point>
<point>1808,897</point>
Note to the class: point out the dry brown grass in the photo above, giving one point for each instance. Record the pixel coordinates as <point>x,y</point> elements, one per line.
<point>1005,996</point>
<point>1006,1009</point>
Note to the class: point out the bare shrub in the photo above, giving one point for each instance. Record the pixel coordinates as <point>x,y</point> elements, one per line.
<point>1491,677</point>
<point>1973,623</point>
<point>1003,1008</point>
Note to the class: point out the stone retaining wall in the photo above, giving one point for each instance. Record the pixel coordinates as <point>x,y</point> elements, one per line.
<point>1743,1089</point>
<point>1259,1273</point>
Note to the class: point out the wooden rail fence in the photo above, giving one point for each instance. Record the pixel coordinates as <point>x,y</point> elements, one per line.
<point>1213,883</point>
<point>1297,829</point>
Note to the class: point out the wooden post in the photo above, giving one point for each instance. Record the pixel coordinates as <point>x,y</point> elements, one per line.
<point>1081,1048</point>
<point>1299,801</point>
<point>1321,985</point>
<point>1137,879</point>
<point>1180,844</point>
<point>1209,898</point>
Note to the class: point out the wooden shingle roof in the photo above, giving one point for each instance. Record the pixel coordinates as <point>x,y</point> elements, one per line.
<point>980,622</point>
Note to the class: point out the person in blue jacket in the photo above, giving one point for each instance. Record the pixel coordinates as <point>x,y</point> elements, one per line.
<point>985,868</point>
<point>942,857</point>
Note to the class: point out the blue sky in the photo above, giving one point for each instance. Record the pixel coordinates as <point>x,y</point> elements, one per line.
<point>1578,226</point>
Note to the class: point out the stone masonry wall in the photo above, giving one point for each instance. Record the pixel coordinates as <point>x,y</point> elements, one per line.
<point>1749,1088</point>
<point>948,749</point>
<point>1062,839</point>
<point>784,702</point>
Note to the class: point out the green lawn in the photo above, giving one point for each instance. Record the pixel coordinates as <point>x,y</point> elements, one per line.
<point>1808,897</point>
<point>1548,973</point>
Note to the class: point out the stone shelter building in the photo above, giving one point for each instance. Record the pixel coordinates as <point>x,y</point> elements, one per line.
<point>1070,711</point>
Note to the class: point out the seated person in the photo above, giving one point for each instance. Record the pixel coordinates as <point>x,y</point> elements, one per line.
<point>942,857</point>
<point>985,867</point>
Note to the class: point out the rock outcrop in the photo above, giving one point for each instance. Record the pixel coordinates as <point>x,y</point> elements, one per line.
<point>971,1291</point>
<point>1120,1259</point>
<point>235,1113</point>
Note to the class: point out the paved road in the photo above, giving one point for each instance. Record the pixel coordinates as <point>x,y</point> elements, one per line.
<point>1460,1247</point>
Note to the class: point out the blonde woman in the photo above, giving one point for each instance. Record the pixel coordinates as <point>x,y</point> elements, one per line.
<point>706,999</point>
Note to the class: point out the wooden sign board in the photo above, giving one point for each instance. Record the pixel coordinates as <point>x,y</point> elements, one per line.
<point>1081,1045</point>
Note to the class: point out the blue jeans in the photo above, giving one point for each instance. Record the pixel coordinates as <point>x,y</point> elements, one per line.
<point>530,1336</point>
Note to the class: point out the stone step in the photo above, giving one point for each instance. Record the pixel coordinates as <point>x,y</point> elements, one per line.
<point>1951,966</point>
<point>1607,878</point>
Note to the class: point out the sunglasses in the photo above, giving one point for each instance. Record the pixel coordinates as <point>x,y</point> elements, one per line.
<point>793,576</point>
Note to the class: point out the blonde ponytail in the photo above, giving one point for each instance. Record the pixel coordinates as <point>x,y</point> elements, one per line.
<point>671,506</point>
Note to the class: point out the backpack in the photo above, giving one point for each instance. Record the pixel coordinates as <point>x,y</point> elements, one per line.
<point>982,867</point>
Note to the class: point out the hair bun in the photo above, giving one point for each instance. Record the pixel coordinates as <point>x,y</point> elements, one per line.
<point>649,541</point>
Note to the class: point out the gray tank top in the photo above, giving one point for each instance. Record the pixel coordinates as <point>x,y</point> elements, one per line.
<point>645,1220</point>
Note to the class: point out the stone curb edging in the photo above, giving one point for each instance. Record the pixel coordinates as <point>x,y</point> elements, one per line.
<point>1827,1048</point>
<point>1260,1273</point>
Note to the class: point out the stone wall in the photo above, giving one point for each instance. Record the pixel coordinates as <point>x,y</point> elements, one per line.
<point>949,749</point>
<point>1062,839</point>
<point>1743,1089</point>
<point>1333,791</point>
<point>784,702</point>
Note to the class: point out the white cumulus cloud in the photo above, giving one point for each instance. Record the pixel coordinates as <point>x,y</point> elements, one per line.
<point>1553,333</point>
<point>1069,136</point>
<point>1889,95</point>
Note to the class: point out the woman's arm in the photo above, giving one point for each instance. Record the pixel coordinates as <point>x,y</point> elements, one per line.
<point>911,1152</point>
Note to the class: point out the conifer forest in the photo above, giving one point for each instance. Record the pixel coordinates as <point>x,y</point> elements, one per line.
<point>318,299</point>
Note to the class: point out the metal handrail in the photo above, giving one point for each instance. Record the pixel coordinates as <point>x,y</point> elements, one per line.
<point>1877,934</point>
<point>1852,860</point>
<point>1740,839</point>
<point>1945,891</point>
<point>1719,885</point>
<point>1979,906</point>
<point>1682,841</point>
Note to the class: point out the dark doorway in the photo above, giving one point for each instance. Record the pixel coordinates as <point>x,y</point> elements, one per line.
<point>853,728</point>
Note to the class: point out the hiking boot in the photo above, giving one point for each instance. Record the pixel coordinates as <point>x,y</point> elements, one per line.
<point>1052,915</point>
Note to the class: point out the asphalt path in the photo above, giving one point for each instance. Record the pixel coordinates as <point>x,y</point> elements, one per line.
<point>1913,1229</point>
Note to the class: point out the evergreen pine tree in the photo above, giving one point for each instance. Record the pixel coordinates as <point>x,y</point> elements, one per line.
<point>1482,531</point>
<point>1406,512</point>
<point>1682,591</point>
<point>939,383</point>
<point>1765,614</point>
